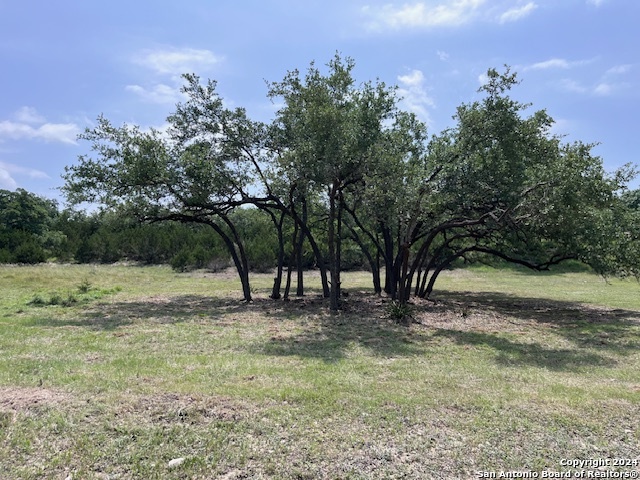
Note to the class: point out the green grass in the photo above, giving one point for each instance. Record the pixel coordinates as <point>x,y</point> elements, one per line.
<point>507,371</point>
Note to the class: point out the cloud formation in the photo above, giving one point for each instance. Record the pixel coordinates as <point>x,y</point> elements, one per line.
<point>175,61</point>
<point>516,13</point>
<point>443,13</point>
<point>593,83</point>
<point>601,89</point>
<point>8,170</point>
<point>619,70</point>
<point>412,89</point>
<point>170,64</point>
<point>159,93</point>
<point>557,63</point>
<point>6,181</point>
<point>29,115</point>
<point>423,15</point>
<point>30,125</point>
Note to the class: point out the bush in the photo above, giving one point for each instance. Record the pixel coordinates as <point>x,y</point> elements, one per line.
<point>37,301</point>
<point>201,256</point>
<point>85,286</point>
<point>261,257</point>
<point>29,252</point>
<point>5,256</point>
<point>182,261</point>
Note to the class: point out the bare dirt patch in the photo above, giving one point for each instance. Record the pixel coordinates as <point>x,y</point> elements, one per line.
<point>171,408</point>
<point>20,399</point>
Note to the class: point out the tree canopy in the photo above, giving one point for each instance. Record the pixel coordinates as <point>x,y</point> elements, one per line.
<point>26,227</point>
<point>342,164</point>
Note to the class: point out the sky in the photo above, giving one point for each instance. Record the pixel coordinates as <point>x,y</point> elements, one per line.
<point>64,63</point>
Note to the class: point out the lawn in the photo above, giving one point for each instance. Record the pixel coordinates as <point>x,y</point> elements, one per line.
<point>139,372</point>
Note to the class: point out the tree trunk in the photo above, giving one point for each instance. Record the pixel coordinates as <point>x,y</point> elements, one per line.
<point>237,255</point>
<point>404,288</point>
<point>292,257</point>
<point>277,281</point>
<point>389,276</point>
<point>299,246</point>
<point>334,294</point>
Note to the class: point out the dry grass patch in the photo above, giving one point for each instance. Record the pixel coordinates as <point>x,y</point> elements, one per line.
<point>24,399</point>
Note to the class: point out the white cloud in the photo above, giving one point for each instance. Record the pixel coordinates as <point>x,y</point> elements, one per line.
<point>8,170</point>
<point>557,63</point>
<point>33,126</point>
<point>597,3</point>
<point>170,63</point>
<point>444,56</point>
<point>175,61</point>
<point>517,13</point>
<point>6,181</point>
<point>160,93</point>
<point>413,79</point>
<point>29,115</point>
<point>573,86</point>
<point>423,15</point>
<point>49,132</point>
<point>58,132</point>
<point>619,70</point>
<point>414,94</point>
<point>553,63</point>
<point>440,13</point>
<point>30,172</point>
<point>561,126</point>
<point>603,89</point>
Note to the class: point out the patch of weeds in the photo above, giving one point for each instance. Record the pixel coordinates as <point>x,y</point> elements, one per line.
<point>37,301</point>
<point>63,300</point>
<point>87,294</point>
<point>69,300</point>
<point>5,419</point>
<point>400,312</point>
<point>85,286</point>
<point>55,299</point>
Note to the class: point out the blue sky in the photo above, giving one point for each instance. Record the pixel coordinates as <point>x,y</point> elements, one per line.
<point>66,62</point>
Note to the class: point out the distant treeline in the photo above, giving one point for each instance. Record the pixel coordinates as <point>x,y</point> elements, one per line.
<point>34,230</point>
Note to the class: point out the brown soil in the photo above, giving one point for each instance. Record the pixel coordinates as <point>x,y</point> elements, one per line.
<point>19,399</point>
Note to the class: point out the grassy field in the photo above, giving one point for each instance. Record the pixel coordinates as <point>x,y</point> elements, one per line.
<point>114,371</point>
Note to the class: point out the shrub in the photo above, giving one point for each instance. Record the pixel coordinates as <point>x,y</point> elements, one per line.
<point>29,252</point>
<point>400,312</point>
<point>84,286</point>
<point>182,261</point>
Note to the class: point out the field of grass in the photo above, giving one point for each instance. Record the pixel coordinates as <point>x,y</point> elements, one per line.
<point>113,372</point>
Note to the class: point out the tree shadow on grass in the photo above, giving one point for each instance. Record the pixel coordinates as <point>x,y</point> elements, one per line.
<point>152,310</point>
<point>361,325</point>
<point>593,332</point>
<point>515,354</point>
<point>304,326</point>
<point>585,326</point>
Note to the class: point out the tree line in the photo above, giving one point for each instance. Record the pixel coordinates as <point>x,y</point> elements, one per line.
<point>33,230</point>
<point>343,167</point>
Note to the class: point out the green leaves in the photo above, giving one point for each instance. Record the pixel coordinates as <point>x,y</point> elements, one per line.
<point>498,182</point>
